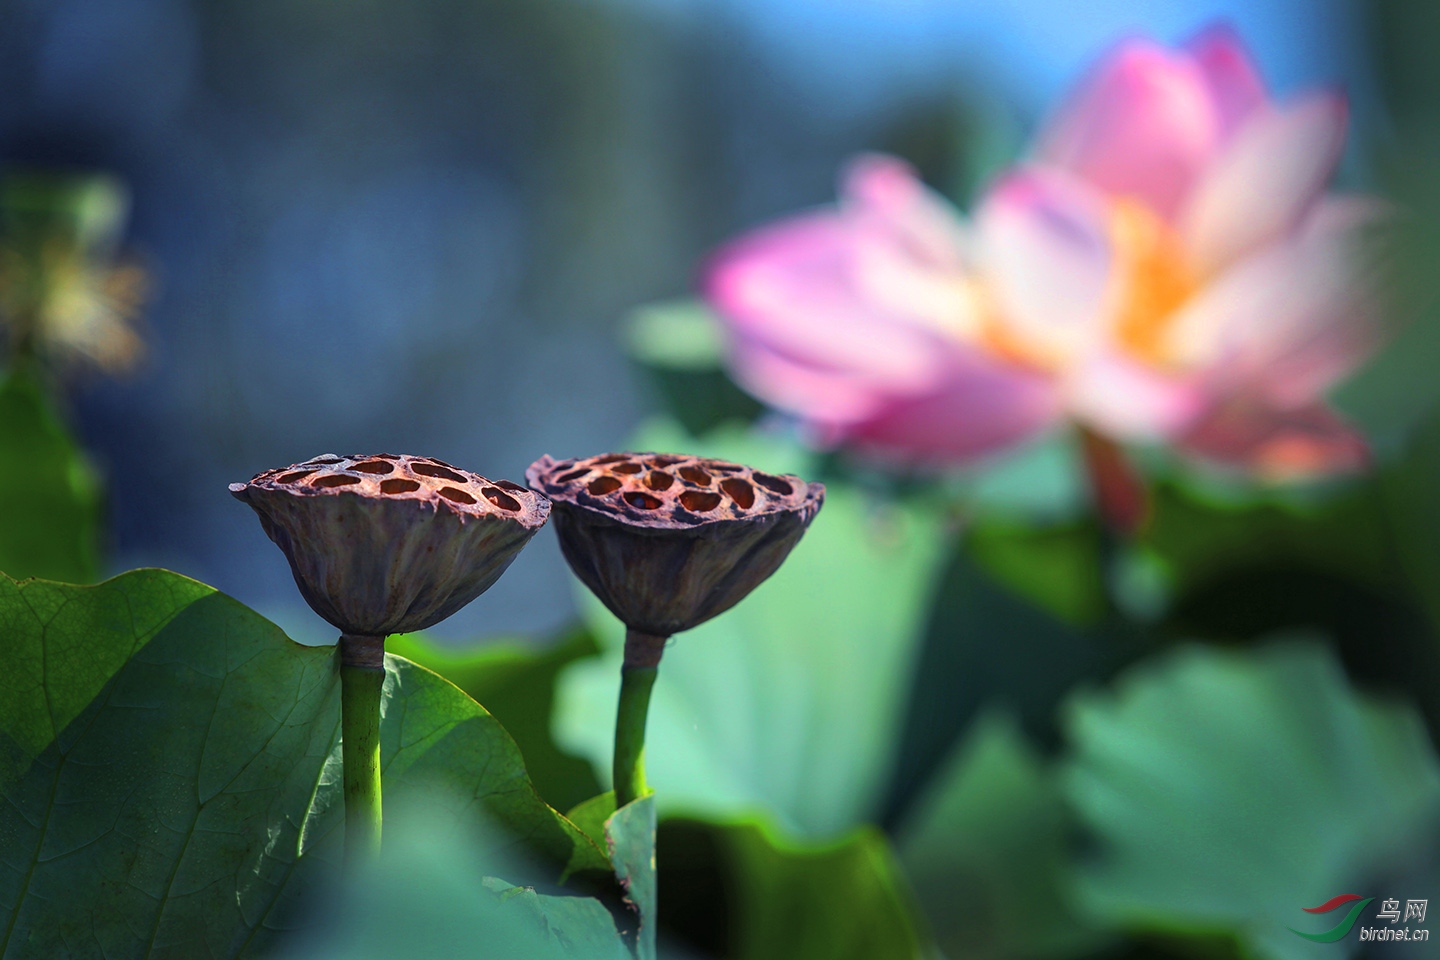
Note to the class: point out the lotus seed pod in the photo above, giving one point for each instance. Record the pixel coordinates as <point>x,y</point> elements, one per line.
<point>388,544</point>
<point>667,541</point>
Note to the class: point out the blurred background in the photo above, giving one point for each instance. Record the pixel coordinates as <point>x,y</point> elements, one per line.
<point>415,228</point>
<point>970,714</point>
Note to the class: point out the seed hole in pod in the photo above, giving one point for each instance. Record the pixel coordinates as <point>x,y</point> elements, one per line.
<point>627,468</point>
<point>642,500</point>
<point>773,484</point>
<point>511,485</point>
<point>340,480</point>
<point>573,475</point>
<point>695,475</point>
<point>292,477</point>
<point>603,485</point>
<point>739,491</point>
<point>724,467</point>
<point>373,466</point>
<point>664,461</point>
<point>612,458</point>
<point>501,499</point>
<point>385,456</point>
<point>658,480</point>
<point>459,496</point>
<point>324,460</point>
<point>699,501</point>
<point>438,472</point>
<point>399,485</point>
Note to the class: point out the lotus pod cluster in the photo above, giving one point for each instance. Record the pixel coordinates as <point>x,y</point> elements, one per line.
<point>668,541</point>
<point>384,544</point>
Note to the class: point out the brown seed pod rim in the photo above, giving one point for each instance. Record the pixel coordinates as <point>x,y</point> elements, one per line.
<point>669,491</point>
<point>387,477</point>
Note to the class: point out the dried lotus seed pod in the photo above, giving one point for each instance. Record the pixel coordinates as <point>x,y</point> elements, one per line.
<point>387,544</point>
<point>668,541</point>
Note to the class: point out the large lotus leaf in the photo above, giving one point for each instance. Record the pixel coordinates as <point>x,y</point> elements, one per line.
<point>987,644</point>
<point>516,682</point>
<point>988,849</point>
<point>49,498</point>
<point>428,898</point>
<point>1228,790</point>
<point>842,900</point>
<point>792,701</point>
<point>739,889</point>
<point>170,769</point>
<point>630,838</point>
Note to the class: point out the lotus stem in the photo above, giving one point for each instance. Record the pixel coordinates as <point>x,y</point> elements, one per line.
<point>1117,489</point>
<point>637,677</point>
<point>362,680</point>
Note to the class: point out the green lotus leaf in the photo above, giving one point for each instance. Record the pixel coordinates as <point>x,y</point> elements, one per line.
<point>516,683</point>
<point>1229,790</point>
<point>630,838</point>
<point>429,897</point>
<point>988,848</point>
<point>169,762</point>
<point>841,899</point>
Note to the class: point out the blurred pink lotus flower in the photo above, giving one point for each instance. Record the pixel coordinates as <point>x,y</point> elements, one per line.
<point>1165,265</point>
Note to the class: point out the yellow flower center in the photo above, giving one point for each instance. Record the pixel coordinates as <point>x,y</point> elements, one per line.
<point>1151,279</point>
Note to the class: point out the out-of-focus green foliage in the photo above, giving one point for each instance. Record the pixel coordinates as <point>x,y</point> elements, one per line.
<point>987,645</point>
<point>988,848</point>
<point>516,683</point>
<point>49,498</point>
<point>1226,791</point>
<point>737,889</point>
<point>171,770</point>
<point>1412,515</point>
<point>1055,566</point>
<point>680,347</point>
<point>428,897</point>
<point>1202,536</point>
<point>792,702</point>
<point>843,900</point>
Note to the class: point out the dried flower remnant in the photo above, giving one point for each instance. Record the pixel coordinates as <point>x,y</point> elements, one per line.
<point>385,544</point>
<point>667,542</point>
<point>389,544</point>
<point>66,289</point>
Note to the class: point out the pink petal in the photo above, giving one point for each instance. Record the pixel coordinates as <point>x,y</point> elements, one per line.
<point>982,408</point>
<point>1143,125</point>
<point>1265,180</point>
<point>829,396</point>
<point>887,192</point>
<point>1293,318</point>
<point>1044,248</point>
<point>1275,444</point>
<point>795,288</point>
<point>1229,71</point>
<point>1127,400</point>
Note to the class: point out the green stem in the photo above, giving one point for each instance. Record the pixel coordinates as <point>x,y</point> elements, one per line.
<point>1116,487</point>
<point>362,679</point>
<point>637,677</point>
